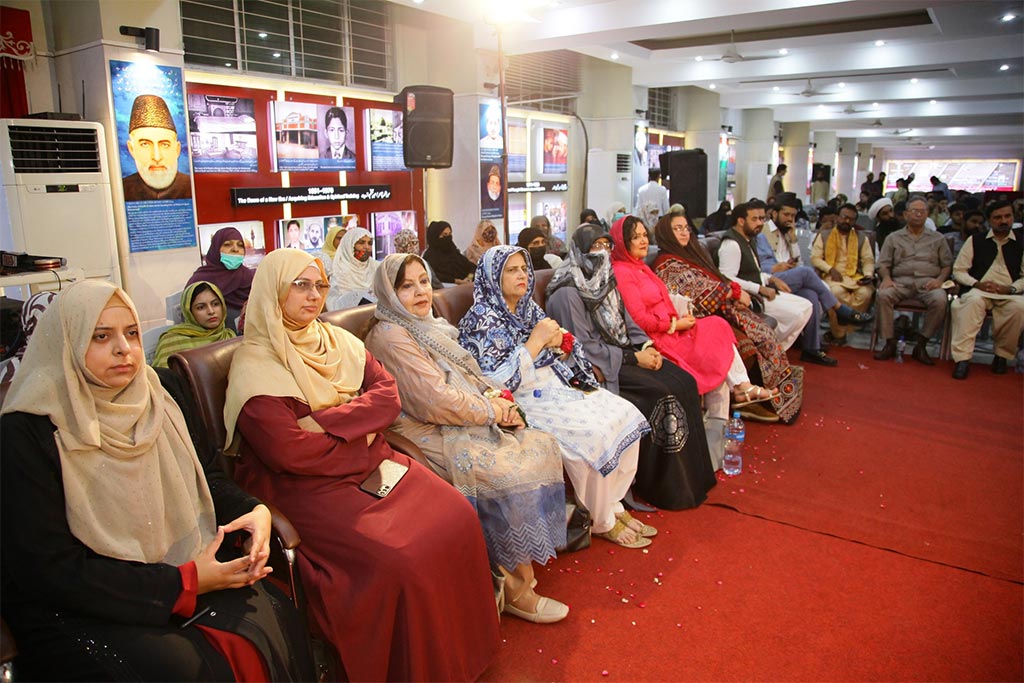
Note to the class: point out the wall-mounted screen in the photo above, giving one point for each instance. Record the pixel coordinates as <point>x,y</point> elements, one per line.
<point>555,150</point>
<point>972,175</point>
<point>385,131</point>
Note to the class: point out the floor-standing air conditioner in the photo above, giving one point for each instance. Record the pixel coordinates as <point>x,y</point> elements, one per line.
<point>56,198</point>
<point>609,179</point>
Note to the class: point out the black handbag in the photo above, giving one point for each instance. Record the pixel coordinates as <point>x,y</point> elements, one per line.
<point>577,529</point>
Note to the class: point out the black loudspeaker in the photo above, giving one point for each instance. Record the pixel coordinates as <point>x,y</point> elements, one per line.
<point>688,180</point>
<point>428,115</point>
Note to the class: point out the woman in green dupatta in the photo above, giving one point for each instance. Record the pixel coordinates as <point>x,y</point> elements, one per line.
<point>204,310</point>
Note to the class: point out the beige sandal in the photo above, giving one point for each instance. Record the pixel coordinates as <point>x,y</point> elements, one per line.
<point>742,398</point>
<point>615,536</point>
<point>646,530</point>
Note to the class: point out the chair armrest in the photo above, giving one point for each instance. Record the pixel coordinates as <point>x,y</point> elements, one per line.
<point>406,446</point>
<point>287,535</point>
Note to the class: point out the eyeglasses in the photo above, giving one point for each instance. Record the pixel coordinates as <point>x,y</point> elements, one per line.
<point>918,212</point>
<point>307,286</point>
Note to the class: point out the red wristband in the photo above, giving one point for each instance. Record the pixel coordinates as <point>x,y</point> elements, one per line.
<point>736,290</point>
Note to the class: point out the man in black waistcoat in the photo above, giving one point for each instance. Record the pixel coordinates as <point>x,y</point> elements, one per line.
<point>990,267</point>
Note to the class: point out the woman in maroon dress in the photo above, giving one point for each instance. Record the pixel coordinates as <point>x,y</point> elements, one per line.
<point>399,585</point>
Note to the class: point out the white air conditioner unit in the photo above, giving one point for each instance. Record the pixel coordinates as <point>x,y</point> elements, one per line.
<point>56,198</point>
<point>609,179</point>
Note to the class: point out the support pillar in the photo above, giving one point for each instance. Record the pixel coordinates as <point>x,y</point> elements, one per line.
<point>754,154</point>
<point>796,138</point>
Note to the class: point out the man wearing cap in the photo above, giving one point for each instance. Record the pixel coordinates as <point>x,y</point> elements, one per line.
<point>883,219</point>
<point>991,268</point>
<point>153,144</point>
<point>914,263</point>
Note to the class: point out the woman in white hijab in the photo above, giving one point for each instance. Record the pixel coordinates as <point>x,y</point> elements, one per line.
<point>110,523</point>
<point>352,271</point>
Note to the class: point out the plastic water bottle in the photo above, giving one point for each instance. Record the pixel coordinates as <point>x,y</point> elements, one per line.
<point>901,348</point>
<point>735,434</point>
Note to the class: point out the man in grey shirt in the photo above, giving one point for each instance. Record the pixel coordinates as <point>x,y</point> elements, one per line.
<point>913,265</point>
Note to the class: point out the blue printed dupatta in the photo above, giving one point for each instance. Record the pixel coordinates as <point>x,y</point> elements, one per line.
<point>493,333</point>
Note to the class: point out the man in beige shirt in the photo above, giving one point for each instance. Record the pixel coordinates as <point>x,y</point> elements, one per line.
<point>913,265</point>
<point>991,267</point>
<point>845,260</point>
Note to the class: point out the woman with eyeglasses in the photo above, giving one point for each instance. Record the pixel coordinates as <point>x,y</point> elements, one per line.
<point>388,571</point>
<point>686,268</point>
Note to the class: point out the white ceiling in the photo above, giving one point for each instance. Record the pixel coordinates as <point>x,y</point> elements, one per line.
<point>954,49</point>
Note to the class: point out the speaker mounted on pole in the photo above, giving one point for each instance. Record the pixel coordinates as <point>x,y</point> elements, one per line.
<point>428,114</point>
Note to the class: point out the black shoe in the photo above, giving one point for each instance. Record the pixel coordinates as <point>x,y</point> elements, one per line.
<point>999,365</point>
<point>961,369</point>
<point>888,351</point>
<point>920,352</point>
<point>847,316</point>
<point>819,357</point>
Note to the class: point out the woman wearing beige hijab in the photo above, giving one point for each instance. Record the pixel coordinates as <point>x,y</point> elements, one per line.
<point>485,237</point>
<point>110,524</point>
<point>389,572</point>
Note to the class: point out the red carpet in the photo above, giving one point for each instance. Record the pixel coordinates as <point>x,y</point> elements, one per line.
<point>817,595</point>
<point>897,456</point>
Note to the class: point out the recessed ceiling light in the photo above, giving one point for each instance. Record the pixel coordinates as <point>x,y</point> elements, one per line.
<point>1009,17</point>
<point>933,101</point>
<point>913,80</point>
<point>841,84</point>
<point>875,105</point>
<point>277,54</point>
<point>227,63</point>
<point>712,86</point>
<point>783,51</point>
<point>698,58</point>
<point>879,43</point>
<point>775,88</point>
<point>262,34</point>
<point>821,106</point>
<point>418,2</point>
<point>931,146</point>
<point>1004,67</point>
<point>614,55</point>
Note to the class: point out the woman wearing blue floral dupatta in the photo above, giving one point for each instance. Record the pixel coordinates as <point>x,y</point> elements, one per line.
<point>518,346</point>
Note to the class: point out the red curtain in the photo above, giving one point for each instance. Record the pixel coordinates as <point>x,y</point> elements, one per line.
<point>15,48</point>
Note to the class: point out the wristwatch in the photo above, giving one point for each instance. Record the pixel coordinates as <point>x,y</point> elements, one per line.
<point>1013,290</point>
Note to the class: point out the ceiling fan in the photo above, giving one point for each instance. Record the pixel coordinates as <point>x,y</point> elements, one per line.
<point>809,91</point>
<point>850,110</point>
<point>732,55</point>
<point>901,131</point>
<point>877,123</point>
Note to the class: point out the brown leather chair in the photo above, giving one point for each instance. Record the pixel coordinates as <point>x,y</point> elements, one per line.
<point>451,303</point>
<point>354,320</point>
<point>541,278</point>
<point>205,369</point>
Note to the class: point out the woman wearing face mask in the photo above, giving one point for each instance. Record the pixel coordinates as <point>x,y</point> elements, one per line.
<point>486,237</point>
<point>615,211</point>
<point>554,244</point>
<point>203,308</point>
<point>352,271</point>
<point>444,257</point>
<point>224,268</point>
<point>675,471</point>
<point>534,242</point>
